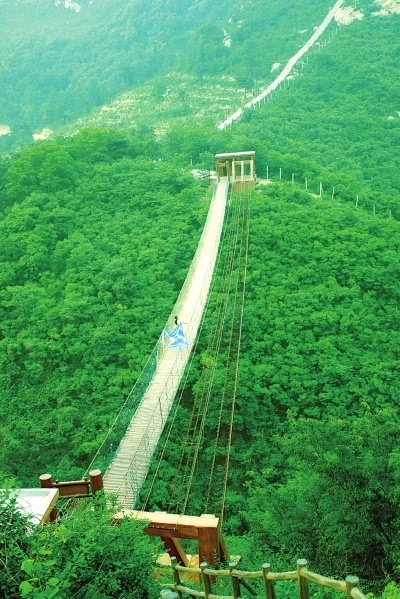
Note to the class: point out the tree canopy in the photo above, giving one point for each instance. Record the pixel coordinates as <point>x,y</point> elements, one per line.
<point>96,239</point>
<point>83,555</point>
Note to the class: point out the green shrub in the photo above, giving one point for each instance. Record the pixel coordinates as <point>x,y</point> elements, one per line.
<point>81,556</point>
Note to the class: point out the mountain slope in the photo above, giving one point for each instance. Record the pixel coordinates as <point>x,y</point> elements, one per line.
<point>57,64</point>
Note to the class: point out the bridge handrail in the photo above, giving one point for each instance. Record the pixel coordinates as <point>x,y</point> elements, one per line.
<point>207,575</point>
<point>158,416</point>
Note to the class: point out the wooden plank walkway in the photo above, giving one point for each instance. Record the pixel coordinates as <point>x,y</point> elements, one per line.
<point>130,466</point>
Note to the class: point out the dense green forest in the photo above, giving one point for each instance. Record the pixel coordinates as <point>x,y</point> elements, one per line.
<point>96,239</point>
<point>315,445</point>
<point>98,230</point>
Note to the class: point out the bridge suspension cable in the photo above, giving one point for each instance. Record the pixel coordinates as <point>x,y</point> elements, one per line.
<point>218,480</point>
<point>220,315</point>
<point>221,358</point>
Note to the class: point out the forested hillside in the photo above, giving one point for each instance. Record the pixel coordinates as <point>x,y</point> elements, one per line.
<point>58,64</point>
<point>96,239</point>
<point>313,467</point>
<point>340,113</point>
<point>97,230</point>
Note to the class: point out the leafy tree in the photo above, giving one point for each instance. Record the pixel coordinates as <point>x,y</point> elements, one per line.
<point>336,500</point>
<point>83,555</point>
<point>15,542</point>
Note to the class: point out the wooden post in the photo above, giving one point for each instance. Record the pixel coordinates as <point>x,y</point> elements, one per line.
<point>175,550</point>
<point>268,584</point>
<point>292,178</point>
<point>206,580</point>
<point>280,173</point>
<point>351,583</point>
<point>222,549</point>
<point>176,577</point>
<point>306,182</point>
<point>320,189</point>
<point>96,481</point>
<point>47,483</point>
<point>235,581</point>
<point>208,544</point>
<point>304,591</point>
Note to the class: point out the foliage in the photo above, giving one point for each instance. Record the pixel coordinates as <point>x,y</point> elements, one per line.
<point>83,555</point>
<point>336,502</point>
<point>15,542</point>
<point>96,238</point>
<point>98,230</point>
<point>391,591</point>
<point>320,338</point>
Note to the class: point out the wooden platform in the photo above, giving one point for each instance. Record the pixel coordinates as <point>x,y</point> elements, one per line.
<point>170,528</point>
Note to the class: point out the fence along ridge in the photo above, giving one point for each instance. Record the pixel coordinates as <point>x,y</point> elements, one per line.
<point>323,190</point>
<point>349,586</point>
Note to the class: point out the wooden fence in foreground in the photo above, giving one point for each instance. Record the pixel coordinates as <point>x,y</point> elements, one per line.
<point>239,579</point>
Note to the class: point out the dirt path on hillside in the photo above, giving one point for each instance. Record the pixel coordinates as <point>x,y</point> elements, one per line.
<point>287,69</point>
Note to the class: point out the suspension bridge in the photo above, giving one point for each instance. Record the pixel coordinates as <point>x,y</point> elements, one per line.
<point>134,435</point>
<point>128,469</point>
<point>129,446</point>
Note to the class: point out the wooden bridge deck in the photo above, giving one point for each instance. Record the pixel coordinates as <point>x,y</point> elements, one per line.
<point>129,468</point>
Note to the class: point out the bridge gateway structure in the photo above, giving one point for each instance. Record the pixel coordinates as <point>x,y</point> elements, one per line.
<point>238,166</point>
<point>129,467</point>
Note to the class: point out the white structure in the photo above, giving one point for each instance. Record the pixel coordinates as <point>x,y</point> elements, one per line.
<point>239,167</point>
<point>35,503</point>
<point>287,69</point>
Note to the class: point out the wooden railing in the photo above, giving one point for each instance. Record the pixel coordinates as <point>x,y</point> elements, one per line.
<point>238,578</point>
<point>73,489</point>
